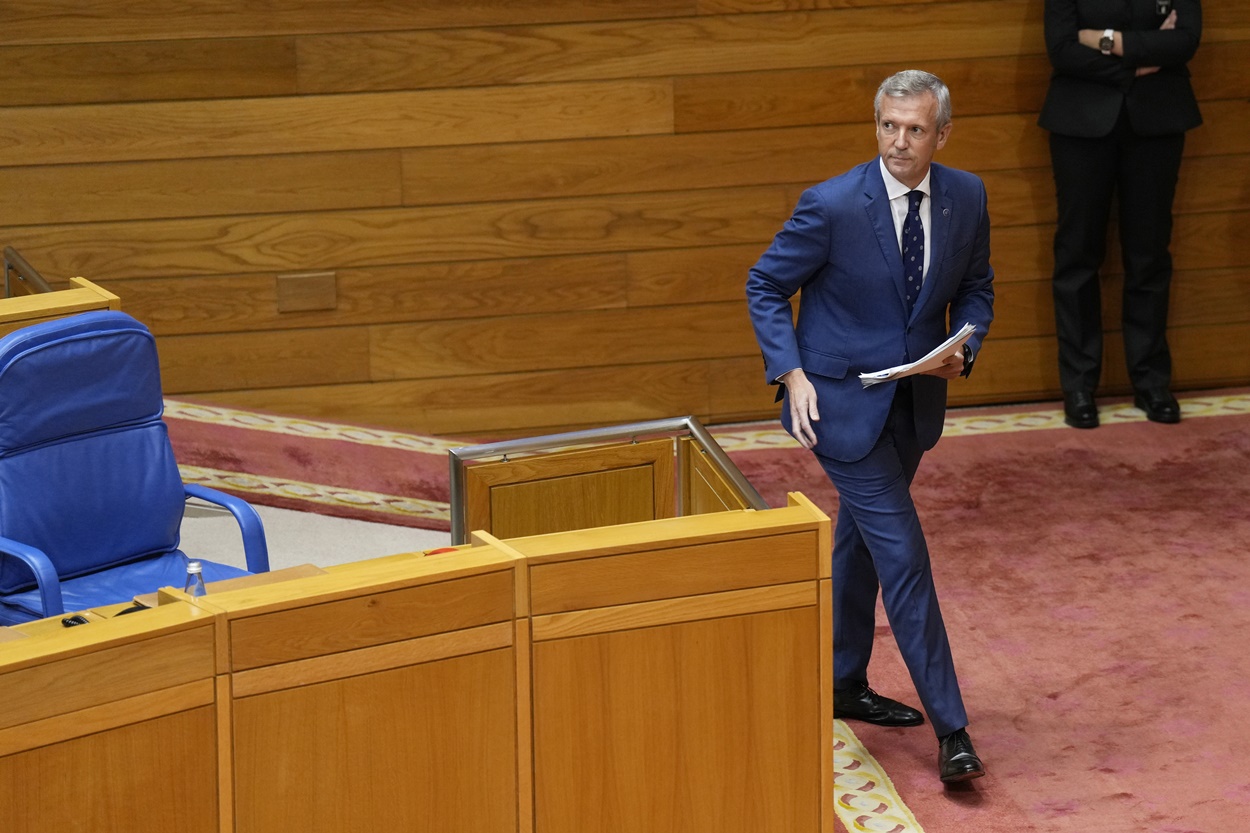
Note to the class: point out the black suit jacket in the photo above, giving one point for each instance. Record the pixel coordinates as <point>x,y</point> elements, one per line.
<point>1088,89</point>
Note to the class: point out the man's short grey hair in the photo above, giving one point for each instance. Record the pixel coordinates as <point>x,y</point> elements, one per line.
<point>913,82</point>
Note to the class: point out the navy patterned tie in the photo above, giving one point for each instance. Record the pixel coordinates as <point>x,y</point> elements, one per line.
<point>913,248</point>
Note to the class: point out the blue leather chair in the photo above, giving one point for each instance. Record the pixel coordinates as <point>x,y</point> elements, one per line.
<point>91,501</point>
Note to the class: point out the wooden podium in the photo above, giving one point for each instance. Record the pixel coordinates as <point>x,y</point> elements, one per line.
<point>681,674</point>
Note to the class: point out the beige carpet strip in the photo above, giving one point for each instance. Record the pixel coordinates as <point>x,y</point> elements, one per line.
<point>315,493</point>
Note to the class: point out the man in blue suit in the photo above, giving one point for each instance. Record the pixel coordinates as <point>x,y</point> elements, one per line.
<point>890,257</point>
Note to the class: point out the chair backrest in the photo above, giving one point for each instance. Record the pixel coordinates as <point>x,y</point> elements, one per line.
<point>87,473</point>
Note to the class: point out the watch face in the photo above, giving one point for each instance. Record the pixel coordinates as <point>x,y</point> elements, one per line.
<point>1106,44</point>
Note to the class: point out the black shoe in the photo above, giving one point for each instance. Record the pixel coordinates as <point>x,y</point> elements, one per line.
<point>859,702</point>
<point>1079,409</point>
<point>957,760</point>
<point>1159,404</point>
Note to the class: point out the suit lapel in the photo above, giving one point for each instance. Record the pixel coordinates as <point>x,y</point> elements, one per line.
<point>877,207</point>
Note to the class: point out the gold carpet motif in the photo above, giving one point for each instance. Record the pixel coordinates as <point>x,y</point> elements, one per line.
<point>864,796</point>
<point>253,484</point>
<point>307,428</point>
<point>968,422</point>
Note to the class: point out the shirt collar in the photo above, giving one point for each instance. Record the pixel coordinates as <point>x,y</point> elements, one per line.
<point>895,189</point>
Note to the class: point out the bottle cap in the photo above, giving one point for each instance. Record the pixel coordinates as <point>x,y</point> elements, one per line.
<point>194,567</point>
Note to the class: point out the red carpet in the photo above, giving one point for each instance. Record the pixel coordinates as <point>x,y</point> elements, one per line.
<point>344,470</point>
<point>1096,586</point>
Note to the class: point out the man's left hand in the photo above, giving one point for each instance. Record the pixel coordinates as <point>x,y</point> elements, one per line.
<point>952,367</point>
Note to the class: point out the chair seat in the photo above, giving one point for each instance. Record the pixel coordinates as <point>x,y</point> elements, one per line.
<point>114,585</point>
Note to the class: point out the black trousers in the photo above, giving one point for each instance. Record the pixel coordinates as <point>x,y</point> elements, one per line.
<point>1140,172</point>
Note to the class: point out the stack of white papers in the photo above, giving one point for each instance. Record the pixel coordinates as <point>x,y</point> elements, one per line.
<point>933,360</point>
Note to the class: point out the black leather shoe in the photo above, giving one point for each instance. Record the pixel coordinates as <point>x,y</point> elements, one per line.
<point>957,760</point>
<point>859,702</point>
<point>1079,409</point>
<point>1159,404</point>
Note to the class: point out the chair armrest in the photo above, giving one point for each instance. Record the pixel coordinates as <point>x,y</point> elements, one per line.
<point>48,581</point>
<point>255,550</point>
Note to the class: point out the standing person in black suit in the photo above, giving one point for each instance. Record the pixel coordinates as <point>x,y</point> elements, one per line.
<point>1118,106</point>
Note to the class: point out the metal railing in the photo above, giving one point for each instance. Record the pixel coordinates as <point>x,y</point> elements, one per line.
<point>676,426</point>
<point>16,266</point>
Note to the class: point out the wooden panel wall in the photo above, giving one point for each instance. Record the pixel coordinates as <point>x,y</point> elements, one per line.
<point>537,215</point>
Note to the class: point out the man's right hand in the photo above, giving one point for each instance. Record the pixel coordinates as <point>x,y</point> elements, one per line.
<point>803,410</point>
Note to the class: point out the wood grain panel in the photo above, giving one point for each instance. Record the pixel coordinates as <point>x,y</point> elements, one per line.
<point>671,572</point>
<point>263,359</point>
<point>620,496</point>
<point>540,170</point>
<point>309,124</point>
<point>76,73</point>
<point>736,6</point>
<point>1207,184</point>
<point>1023,253</point>
<point>372,619</point>
<point>518,404</point>
<point>428,748</point>
<point>64,21</point>
<point>691,276</point>
<point>114,191</point>
<point>105,717</point>
<point>421,292</point>
<point>737,391</point>
<point>117,672</point>
<point>105,781</point>
<point>568,340</point>
<point>1198,299</point>
<point>673,611</point>
<point>663,730</point>
<point>637,48</point>
<point>539,493</point>
<point>372,659</point>
<point>1208,68</point>
<point>841,94</point>
<point>1225,21</point>
<point>988,143</point>
<point>317,241</point>
<point>705,486</point>
<point>1025,369</point>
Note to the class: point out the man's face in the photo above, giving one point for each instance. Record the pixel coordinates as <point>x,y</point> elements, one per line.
<point>907,136</point>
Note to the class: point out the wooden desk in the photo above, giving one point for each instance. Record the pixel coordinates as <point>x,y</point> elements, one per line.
<point>666,675</point>
<point>108,726</point>
<point>381,695</point>
<point>82,296</point>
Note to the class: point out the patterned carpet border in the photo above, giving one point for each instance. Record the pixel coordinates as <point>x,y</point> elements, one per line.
<point>288,491</point>
<point>970,422</point>
<point>864,796</point>
<point>307,428</point>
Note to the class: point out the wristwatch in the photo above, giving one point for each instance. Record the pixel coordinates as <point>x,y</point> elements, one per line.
<point>1107,42</point>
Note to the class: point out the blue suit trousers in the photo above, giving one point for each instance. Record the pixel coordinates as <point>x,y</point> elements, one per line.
<point>878,544</point>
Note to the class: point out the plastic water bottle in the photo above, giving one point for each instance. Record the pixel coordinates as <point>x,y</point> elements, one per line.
<point>195,579</point>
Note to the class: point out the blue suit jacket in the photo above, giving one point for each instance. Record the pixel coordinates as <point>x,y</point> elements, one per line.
<point>839,247</point>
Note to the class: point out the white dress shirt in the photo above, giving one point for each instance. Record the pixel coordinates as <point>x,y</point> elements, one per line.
<point>897,192</point>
